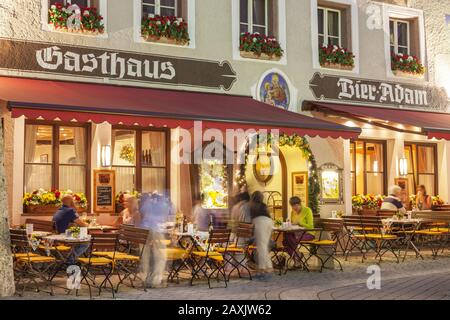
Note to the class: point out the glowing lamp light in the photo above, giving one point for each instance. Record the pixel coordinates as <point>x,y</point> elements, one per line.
<point>106,156</point>
<point>403,166</point>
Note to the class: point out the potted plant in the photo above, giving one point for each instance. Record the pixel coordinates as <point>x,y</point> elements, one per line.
<point>165,29</point>
<point>48,201</point>
<point>90,21</point>
<point>335,57</point>
<point>404,65</point>
<point>366,204</point>
<point>257,46</point>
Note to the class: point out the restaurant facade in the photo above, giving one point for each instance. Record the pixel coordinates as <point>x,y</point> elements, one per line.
<point>100,111</point>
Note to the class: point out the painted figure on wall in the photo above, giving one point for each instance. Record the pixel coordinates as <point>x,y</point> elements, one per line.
<point>274,90</point>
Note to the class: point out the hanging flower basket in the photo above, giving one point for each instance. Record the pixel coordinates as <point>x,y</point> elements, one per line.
<point>79,31</point>
<point>47,202</point>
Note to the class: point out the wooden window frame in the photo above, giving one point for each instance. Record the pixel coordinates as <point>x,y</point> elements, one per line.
<point>395,44</point>
<point>65,2</point>
<point>415,163</point>
<point>138,155</point>
<point>250,23</point>
<point>55,149</point>
<point>325,35</point>
<point>365,171</point>
<point>158,7</point>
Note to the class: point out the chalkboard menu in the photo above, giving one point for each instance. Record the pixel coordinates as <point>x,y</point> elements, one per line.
<point>104,185</point>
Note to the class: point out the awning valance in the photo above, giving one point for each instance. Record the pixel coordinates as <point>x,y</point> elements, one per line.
<point>73,101</point>
<point>432,124</point>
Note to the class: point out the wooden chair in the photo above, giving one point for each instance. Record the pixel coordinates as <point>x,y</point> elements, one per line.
<point>95,265</point>
<point>386,213</point>
<point>211,262</point>
<point>128,253</point>
<point>237,254</point>
<point>328,245</point>
<point>29,265</point>
<point>41,225</point>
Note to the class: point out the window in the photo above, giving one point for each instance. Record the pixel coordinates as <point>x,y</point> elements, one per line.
<point>329,26</point>
<point>399,32</point>
<point>254,16</point>
<point>368,160</point>
<point>80,3</point>
<point>422,167</point>
<point>56,156</point>
<point>159,7</point>
<point>140,159</point>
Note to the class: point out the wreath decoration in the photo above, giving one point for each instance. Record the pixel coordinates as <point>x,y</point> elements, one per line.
<point>313,177</point>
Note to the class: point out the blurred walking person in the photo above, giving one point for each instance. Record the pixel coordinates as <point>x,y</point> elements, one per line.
<point>263,231</point>
<point>156,211</point>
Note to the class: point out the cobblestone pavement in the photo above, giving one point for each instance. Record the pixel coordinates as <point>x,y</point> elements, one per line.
<point>412,279</point>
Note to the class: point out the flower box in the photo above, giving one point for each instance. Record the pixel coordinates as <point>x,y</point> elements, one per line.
<point>337,66</point>
<point>47,209</point>
<point>404,74</point>
<point>166,40</point>
<point>262,56</point>
<point>87,19</point>
<point>77,31</point>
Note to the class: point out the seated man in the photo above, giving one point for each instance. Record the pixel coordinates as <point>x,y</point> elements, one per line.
<point>63,218</point>
<point>303,217</point>
<point>393,202</point>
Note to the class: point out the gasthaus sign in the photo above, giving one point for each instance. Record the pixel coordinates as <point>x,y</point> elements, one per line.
<point>339,88</point>
<point>41,57</point>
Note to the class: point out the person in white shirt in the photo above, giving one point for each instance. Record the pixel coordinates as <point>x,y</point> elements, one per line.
<point>393,202</point>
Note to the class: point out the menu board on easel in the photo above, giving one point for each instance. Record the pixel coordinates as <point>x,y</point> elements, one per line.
<point>104,191</point>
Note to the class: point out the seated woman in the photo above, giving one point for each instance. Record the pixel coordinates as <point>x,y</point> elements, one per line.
<point>303,217</point>
<point>130,215</point>
<point>423,200</point>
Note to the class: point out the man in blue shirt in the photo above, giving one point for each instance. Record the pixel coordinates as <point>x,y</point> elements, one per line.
<point>63,218</point>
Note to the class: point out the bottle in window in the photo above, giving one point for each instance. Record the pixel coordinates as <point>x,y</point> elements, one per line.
<point>185,224</point>
<point>150,161</point>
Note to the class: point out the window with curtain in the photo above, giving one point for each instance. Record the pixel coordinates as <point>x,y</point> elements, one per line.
<point>399,32</point>
<point>55,157</point>
<point>330,22</point>
<point>140,159</point>
<point>421,159</point>
<point>367,167</point>
<point>160,7</point>
<point>254,16</point>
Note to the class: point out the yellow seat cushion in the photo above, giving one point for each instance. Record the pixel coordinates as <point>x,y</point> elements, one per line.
<point>363,229</point>
<point>175,254</point>
<point>320,242</point>
<point>99,261</point>
<point>252,247</point>
<point>429,233</point>
<point>37,259</point>
<point>24,255</point>
<point>117,255</point>
<point>380,236</point>
<point>444,230</point>
<point>230,249</point>
<point>212,255</point>
<point>53,248</point>
<point>166,242</point>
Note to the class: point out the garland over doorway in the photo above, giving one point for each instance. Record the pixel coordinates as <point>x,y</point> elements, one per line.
<point>302,144</point>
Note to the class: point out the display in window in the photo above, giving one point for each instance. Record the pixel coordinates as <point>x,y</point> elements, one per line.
<point>127,153</point>
<point>214,185</point>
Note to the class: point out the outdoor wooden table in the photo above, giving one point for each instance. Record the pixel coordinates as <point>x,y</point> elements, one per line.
<point>406,228</point>
<point>102,228</point>
<point>281,248</point>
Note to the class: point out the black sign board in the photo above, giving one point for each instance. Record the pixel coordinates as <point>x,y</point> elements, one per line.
<point>52,58</point>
